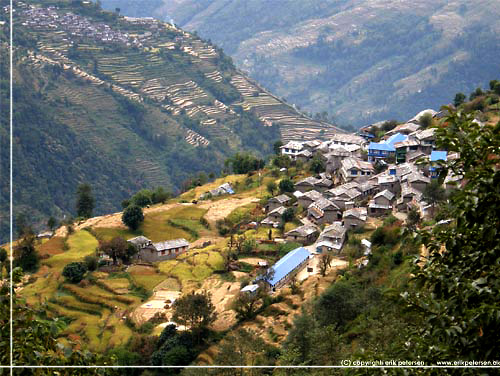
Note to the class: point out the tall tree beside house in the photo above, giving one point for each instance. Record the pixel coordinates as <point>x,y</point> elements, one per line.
<point>132,217</point>
<point>85,201</point>
<point>118,249</point>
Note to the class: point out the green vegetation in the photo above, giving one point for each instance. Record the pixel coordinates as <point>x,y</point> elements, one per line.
<point>74,271</point>
<point>80,243</point>
<point>132,217</point>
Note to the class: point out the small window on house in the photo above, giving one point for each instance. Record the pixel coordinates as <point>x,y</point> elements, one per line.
<point>354,172</point>
<point>163,253</point>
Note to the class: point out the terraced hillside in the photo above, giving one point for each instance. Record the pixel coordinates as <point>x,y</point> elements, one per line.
<point>360,60</point>
<point>125,103</point>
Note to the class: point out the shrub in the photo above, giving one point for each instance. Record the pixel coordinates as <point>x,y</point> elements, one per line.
<point>74,271</point>
<point>91,262</point>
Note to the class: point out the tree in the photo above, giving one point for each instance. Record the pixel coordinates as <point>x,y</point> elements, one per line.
<point>195,311</point>
<point>277,147</point>
<point>271,187</point>
<point>244,348</point>
<point>3,258</point>
<point>317,165</point>
<point>246,305</point>
<point>459,99</point>
<point>160,195</point>
<point>51,223</point>
<point>142,198</point>
<point>282,161</point>
<point>286,185</point>
<point>74,271</point>
<point>434,193</point>
<point>85,201</point>
<point>425,120</point>
<point>25,254</point>
<point>132,217</point>
<point>325,262</point>
<point>288,215</point>
<point>243,163</point>
<point>456,291</point>
<point>118,249</point>
<point>413,219</point>
<point>91,262</point>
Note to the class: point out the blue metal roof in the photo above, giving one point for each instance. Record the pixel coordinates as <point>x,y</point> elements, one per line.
<point>380,146</point>
<point>438,156</point>
<point>388,145</point>
<point>288,263</point>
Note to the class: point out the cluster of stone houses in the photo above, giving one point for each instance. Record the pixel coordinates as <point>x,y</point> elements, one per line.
<point>351,190</point>
<point>79,26</point>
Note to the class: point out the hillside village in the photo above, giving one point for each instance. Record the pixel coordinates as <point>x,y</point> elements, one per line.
<point>308,246</point>
<point>347,200</point>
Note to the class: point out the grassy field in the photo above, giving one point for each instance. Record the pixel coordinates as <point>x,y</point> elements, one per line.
<point>156,225</point>
<point>146,277</point>
<point>194,266</point>
<point>81,243</point>
<point>51,246</point>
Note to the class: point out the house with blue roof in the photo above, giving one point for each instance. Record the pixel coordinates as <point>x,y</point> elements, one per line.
<point>287,267</point>
<point>436,156</point>
<point>385,148</point>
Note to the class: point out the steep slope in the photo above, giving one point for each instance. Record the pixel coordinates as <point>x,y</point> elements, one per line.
<point>362,61</point>
<point>123,104</point>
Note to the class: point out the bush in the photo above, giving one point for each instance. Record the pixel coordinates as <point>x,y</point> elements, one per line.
<point>132,217</point>
<point>74,271</point>
<point>91,262</point>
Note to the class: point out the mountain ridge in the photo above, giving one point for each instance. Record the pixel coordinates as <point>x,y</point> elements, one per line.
<point>361,61</point>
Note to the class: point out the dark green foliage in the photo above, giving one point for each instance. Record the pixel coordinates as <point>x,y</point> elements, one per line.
<point>91,262</point>
<point>338,305</point>
<point>118,249</point>
<point>413,219</point>
<point>317,165</point>
<point>271,187</point>
<point>51,223</point>
<point>459,99</point>
<point>476,93</point>
<point>85,201</point>
<point>277,147</point>
<point>174,348</point>
<point>142,198</point>
<point>282,161</point>
<point>457,290</point>
<point>434,192</point>
<point>286,185</point>
<point>244,347</point>
<point>195,311</point>
<point>288,215</point>
<point>25,254</point>
<point>74,272</point>
<point>242,163</point>
<point>426,120</point>
<point>133,217</point>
